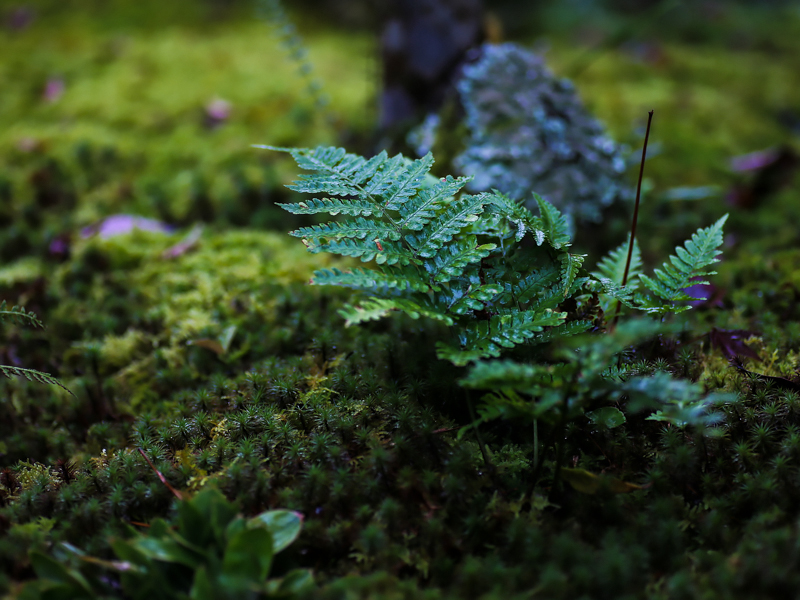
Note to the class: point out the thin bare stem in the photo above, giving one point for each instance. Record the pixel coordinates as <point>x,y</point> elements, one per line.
<point>635,214</point>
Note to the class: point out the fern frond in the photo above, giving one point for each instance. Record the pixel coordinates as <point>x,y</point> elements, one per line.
<point>367,250</point>
<point>612,266</point>
<point>509,330</point>
<point>334,206</point>
<point>554,224</point>
<point>609,288</point>
<point>375,308</point>
<point>384,178</point>
<point>530,286</point>
<point>507,375</point>
<point>555,295</point>
<point>441,230</point>
<point>358,228</point>
<point>406,183</point>
<point>19,314</point>
<point>475,298</point>
<point>458,356</point>
<point>417,212</point>
<point>561,331</point>
<point>31,375</point>
<point>570,266</point>
<point>686,268</point>
<point>451,260</point>
<point>518,214</point>
<point>337,172</point>
<point>369,279</point>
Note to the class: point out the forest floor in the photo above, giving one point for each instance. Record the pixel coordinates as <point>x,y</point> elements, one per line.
<point>196,338</point>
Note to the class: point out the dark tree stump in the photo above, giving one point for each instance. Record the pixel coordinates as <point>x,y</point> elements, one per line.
<point>424,42</point>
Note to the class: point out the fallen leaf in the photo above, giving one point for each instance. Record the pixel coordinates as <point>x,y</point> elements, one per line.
<point>209,344</point>
<point>121,224</point>
<point>774,169</point>
<point>730,342</point>
<point>188,243</point>
<point>780,382</point>
<point>588,483</point>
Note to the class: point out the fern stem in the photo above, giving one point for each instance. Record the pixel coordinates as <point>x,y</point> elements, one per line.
<point>635,218</point>
<point>486,460</point>
<point>562,431</point>
<point>536,441</point>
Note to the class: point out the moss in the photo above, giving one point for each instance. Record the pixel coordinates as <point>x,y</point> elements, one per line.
<point>227,370</point>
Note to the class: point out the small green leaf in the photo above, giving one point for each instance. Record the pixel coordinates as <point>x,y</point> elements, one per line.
<point>608,417</point>
<point>284,525</point>
<point>248,555</point>
<point>167,550</point>
<point>296,581</point>
<point>202,588</point>
<point>47,567</point>
<point>588,483</point>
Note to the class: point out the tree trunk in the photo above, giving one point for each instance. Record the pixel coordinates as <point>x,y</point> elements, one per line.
<point>423,45</point>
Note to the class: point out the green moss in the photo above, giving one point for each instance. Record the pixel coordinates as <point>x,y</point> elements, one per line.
<point>228,371</point>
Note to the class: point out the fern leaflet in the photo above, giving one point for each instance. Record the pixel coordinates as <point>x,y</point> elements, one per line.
<point>685,268</point>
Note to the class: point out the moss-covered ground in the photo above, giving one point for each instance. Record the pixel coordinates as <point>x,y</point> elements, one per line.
<point>227,370</point>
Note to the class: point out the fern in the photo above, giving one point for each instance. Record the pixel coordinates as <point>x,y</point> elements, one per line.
<point>685,268</point>
<point>555,224</point>
<point>612,267</point>
<point>25,317</point>
<point>31,375</point>
<point>20,315</point>
<point>611,271</point>
<point>459,259</point>
<point>440,254</point>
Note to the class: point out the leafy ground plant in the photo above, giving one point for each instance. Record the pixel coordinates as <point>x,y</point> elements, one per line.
<point>211,553</point>
<point>460,259</point>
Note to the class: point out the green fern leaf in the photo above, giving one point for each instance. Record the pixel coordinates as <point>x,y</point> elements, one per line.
<point>561,331</point>
<point>612,266</point>
<point>19,314</point>
<point>532,285</point>
<point>406,183</point>
<point>554,224</point>
<point>31,375</point>
<point>367,250</point>
<point>441,230</point>
<point>518,214</point>
<point>337,172</point>
<point>613,290</point>
<point>686,268</point>
<point>451,260</point>
<point>507,375</point>
<point>375,308</point>
<point>475,298</point>
<point>488,338</point>
<point>416,213</point>
<point>510,330</point>
<point>359,229</point>
<point>334,206</point>
<point>368,279</point>
<point>458,356</point>
<point>570,266</point>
